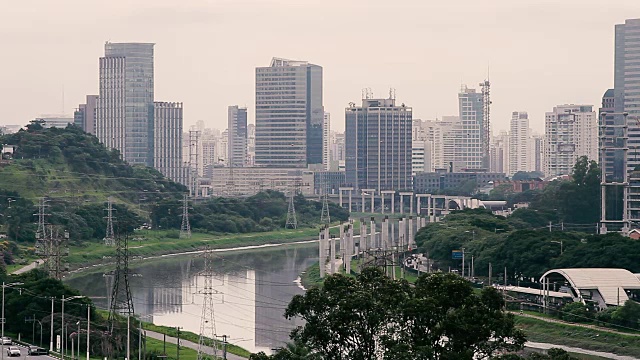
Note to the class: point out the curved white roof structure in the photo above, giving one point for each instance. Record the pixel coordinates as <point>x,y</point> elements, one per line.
<point>606,286</point>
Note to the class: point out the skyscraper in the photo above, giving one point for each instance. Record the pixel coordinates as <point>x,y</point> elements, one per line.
<point>571,131</point>
<point>519,143</point>
<point>168,140</point>
<point>289,114</point>
<point>378,145</point>
<point>237,133</point>
<point>124,118</point>
<point>326,141</point>
<point>469,143</point>
<point>85,115</point>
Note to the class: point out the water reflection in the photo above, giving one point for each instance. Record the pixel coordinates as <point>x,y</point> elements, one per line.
<point>254,288</point>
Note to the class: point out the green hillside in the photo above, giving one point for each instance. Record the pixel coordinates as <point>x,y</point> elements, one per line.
<point>77,174</point>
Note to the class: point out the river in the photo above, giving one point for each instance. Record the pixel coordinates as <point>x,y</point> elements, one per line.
<point>254,288</point>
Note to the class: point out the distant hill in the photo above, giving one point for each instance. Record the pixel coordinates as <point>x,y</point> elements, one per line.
<point>77,174</point>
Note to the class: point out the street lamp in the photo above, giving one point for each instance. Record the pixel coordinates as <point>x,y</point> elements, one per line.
<point>561,245</point>
<point>4,320</point>
<point>62,350</point>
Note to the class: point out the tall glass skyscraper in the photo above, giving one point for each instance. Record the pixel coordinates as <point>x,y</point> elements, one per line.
<point>124,117</point>
<point>378,145</point>
<point>289,114</point>
<point>237,136</point>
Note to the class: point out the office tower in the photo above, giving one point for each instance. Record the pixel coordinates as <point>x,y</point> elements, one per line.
<point>536,145</point>
<point>326,141</point>
<point>571,131</point>
<point>124,119</point>
<point>237,136</point>
<point>469,148</point>
<point>519,144</point>
<point>289,114</point>
<point>500,153</point>
<point>378,145</point>
<point>167,138</point>
<point>420,162</point>
<point>441,136</point>
<point>85,115</point>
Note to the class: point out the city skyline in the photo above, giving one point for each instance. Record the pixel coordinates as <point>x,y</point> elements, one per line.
<point>518,59</point>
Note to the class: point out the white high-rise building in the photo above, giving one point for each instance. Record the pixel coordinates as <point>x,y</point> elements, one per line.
<point>289,114</point>
<point>519,143</point>
<point>536,148</point>
<point>571,131</point>
<point>442,137</point>
<point>469,152</point>
<point>168,140</point>
<point>326,141</point>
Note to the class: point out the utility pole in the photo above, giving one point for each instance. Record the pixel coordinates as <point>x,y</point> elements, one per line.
<point>178,345</point>
<point>208,321</point>
<point>185,229</point>
<point>109,236</point>
<point>550,226</point>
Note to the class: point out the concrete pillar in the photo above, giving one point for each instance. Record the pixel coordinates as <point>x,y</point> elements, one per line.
<point>340,196</point>
<point>363,235</point>
<point>343,243</point>
<point>333,254</point>
<point>393,234</point>
<point>393,203</point>
<point>384,233</point>
<point>373,197</point>
<point>362,194</point>
<point>372,229</point>
<point>321,253</point>
<point>411,241</point>
<point>401,203</point>
<point>418,205</point>
<point>411,204</point>
<point>350,201</point>
<point>350,248</point>
<point>382,202</point>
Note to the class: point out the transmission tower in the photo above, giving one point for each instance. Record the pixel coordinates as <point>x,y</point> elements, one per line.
<point>324,217</point>
<point>486,126</point>
<point>43,244</point>
<point>109,236</point>
<point>292,222</point>
<point>58,250</point>
<point>208,321</point>
<point>185,229</point>
<point>121,299</point>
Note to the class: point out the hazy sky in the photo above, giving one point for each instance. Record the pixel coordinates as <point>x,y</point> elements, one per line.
<point>541,53</point>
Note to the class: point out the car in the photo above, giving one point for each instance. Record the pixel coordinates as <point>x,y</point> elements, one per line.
<point>13,351</point>
<point>7,341</point>
<point>35,350</point>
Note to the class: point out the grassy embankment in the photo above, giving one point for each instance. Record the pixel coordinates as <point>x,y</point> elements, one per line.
<point>580,337</point>
<point>187,335</point>
<point>164,242</point>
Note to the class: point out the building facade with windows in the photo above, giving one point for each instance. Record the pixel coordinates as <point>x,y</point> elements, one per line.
<point>289,114</point>
<point>237,133</point>
<point>571,131</point>
<point>379,145</point>
<point>168,140</point>
<point>124,118</point>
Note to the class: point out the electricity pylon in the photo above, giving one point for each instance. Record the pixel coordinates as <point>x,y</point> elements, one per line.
<point>292,222</point>
<point>109,236</point>
<point>208,321</point>
<point>185,229</point>
<point>324,216</point>
<point>121,299</point>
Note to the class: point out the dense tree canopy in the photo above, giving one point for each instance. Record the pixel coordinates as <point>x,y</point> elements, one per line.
<point>374,317</point>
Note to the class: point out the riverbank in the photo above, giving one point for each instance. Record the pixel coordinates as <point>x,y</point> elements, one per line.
<point>158,243</point>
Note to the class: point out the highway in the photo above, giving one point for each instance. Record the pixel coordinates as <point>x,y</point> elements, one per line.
<point>23,354</point>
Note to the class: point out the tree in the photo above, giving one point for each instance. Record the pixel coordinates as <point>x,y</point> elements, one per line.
<point>372,316</point>
<point>577,312</point>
